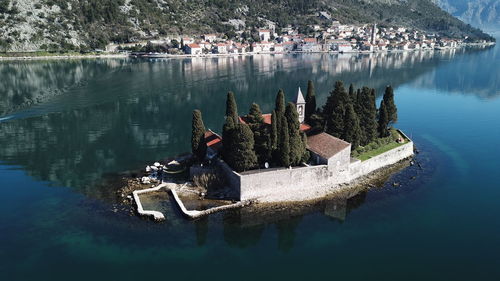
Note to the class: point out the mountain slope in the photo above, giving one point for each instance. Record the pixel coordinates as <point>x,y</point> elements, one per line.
<point>481,13</point>
<point>29,25</point>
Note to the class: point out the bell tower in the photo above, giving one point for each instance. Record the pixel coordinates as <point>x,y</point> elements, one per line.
<point>300,102</point>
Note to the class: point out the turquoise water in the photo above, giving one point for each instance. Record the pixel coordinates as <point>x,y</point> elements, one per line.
<point>66,125</point>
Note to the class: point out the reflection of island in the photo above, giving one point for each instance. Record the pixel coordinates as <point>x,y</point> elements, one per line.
<point>114,115</point>
<point>244,227</point>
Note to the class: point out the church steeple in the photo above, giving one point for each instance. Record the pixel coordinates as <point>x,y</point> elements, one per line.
<point>300,102</point>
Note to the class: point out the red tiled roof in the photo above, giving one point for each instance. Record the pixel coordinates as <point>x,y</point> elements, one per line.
<point>326,145</point>
<point>267,119</point>
<point>192,46</point>
<point>213,140</point>
<point>310,40</point>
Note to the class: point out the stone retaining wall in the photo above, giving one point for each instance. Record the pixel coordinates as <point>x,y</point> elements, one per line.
<point>304,183</point>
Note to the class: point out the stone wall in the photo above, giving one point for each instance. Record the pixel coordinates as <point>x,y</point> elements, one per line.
<point>284,184</point>
<point>361,168</point>
<point>304,183</point>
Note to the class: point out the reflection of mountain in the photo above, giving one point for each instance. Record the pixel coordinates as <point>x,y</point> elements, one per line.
<point>129,112</point>
<point>467,75</point>
<point>28,83</point>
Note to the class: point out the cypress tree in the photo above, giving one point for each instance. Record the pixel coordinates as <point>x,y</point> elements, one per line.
<point>334,110</point>
<point>242,149</point>
<point>274,131</point>
<point>227,138</point>
<point>284,148</point>
<point>368,116</point>
<point>352,130</point>
<point>357,102</point>
<point>383,120</point>
<point>352,94</point>
<point>198,143</point>
<point>296,147</point>
<point>280,114</point>
<point>260,132</point>
<point>255,115</point>
<point>280,102</point>
<point>392,111</point>
<point>305,153</point>
<point>231,108</point>
<point>310,101</point>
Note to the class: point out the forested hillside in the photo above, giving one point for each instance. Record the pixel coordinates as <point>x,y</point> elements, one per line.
<point>60,25</point>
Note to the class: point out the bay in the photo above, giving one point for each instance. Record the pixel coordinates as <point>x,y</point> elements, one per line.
<point>65,125</point>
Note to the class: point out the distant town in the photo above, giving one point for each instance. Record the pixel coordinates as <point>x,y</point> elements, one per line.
<point>337,37</point>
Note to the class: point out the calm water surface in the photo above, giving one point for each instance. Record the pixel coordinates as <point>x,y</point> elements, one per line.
<point>65,125</point>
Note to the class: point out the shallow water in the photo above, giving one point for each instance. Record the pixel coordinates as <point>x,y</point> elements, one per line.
<point>66,125</point>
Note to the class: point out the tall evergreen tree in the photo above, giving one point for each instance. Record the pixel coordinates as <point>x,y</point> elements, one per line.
<point>305,153</point>
<point>352,130</point>
<point>334,110</point>
<point>227,138</point>
<point>296,146</point>
<point>383,120</point>
<point>274,131</point>
<point>310,101</point>
<point>231,108</point>
<point>368,116</point>
<point>280,102</point>
<point>198,143</point>
<point>260,132</point>
<point>242,149</point>
<point>255,115</point>
<point>357,102</point>
<point>352,94</point>
<point>392,111</point>
<point>284,144</point>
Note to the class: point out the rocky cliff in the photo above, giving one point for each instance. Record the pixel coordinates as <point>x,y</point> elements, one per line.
<point>480,13</point>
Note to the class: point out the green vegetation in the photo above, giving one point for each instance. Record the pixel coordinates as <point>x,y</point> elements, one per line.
<point>378,146</point>
<point>231,108</point>
<point>310,101</point>
<point>198,143</point>
<point>388,99</point>
<point>242,151</point>
<point>98,22</point>
<point>352,116</point>
<point>280,143</point>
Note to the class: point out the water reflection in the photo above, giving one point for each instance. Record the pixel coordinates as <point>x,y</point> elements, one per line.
<point>94,117</point>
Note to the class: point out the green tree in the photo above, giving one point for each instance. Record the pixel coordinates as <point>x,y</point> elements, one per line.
<point>305,153</point>
<point>242,151</point>
<point>261,133</point>
<point>352,95</point>
<point>352,130</point>
<point>334,110</point>
<point>383,120</point>
<point>231,108</point>
<point>296,146</point>
<point>198,143</point>
<point>227,139</point>
<point>255,115</point>
<point>392,111</point>
<point>284,144</point>
<point>274,131</point>
<point>368,116</point>
<point>310,101</point>
<point>280,102</point>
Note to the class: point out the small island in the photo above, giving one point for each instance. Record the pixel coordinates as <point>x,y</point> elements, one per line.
<point>296,153</point>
